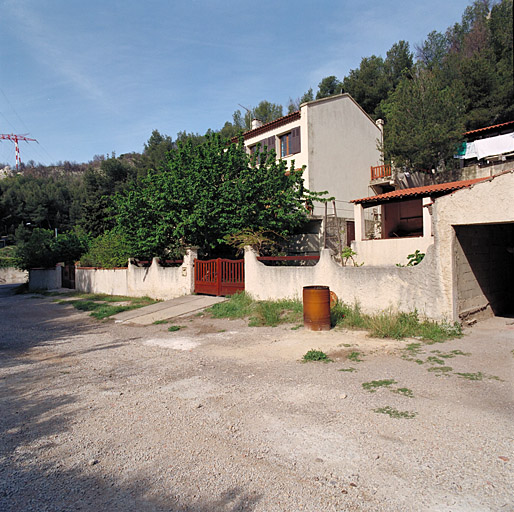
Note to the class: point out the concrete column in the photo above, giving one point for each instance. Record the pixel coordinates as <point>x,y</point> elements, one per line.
<point>427,216</point>
<point>358,214</point>
<point>188,268</point>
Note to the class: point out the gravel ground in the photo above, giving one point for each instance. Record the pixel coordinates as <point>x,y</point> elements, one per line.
<point>221,417</point>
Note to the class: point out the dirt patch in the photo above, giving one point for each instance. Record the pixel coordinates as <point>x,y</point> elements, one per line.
<point>221,416</point>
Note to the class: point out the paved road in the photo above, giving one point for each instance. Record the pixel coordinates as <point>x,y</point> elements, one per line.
<point>221,417</point>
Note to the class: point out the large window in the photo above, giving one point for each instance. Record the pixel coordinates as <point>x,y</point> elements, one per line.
<point>285,142</point>
<point>290,142</point>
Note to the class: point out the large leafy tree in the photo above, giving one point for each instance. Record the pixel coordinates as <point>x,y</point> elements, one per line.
<point>329,86</point>
<point>265,112</point>
<point>208,192</point>
<point>423,123</point>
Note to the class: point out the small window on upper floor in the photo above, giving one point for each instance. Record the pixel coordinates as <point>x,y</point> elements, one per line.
<point>290,142</point>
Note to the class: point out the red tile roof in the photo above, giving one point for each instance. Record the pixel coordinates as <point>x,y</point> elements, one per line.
<point>489,127</point>
<point>407,193</point>
<point>271,125</point>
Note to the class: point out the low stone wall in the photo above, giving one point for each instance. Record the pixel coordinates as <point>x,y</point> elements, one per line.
<point>389,251</point>
<point>11,275</point>
<point>374,288</point>
<point>154,281</point>
<point>45,278</point>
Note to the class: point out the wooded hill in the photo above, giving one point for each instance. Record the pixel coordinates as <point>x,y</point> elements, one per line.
<point>454,81</point>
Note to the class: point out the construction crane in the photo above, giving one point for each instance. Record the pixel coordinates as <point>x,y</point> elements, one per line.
<point>15,139</point>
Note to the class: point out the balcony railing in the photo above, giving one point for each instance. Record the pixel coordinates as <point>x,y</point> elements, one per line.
<point>380,171</point>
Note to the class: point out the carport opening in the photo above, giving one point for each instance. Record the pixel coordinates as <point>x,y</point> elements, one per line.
<point>484,263</point>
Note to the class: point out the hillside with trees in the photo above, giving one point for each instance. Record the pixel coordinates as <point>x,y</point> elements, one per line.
<point>428,96</point>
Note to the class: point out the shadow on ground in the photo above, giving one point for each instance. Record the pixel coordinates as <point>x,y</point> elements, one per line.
<point>31,422</point>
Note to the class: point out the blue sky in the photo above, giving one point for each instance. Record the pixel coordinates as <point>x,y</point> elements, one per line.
<point>96,77</point>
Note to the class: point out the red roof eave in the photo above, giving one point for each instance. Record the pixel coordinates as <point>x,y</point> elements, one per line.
<point>440,188</point>
<point>489,127</point>
<point>270,126</point>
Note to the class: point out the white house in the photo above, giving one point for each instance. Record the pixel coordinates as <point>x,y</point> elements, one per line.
<point>334,139</point>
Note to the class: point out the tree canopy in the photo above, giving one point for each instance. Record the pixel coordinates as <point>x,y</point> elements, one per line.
<point>207,192</point>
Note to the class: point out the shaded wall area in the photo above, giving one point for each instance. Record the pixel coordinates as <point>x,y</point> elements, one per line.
<point>484,265</point>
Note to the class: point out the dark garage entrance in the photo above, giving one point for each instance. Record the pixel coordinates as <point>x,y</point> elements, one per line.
<point>484,264</point>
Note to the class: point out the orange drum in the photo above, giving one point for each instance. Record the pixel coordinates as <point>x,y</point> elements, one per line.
<point>316,308</point>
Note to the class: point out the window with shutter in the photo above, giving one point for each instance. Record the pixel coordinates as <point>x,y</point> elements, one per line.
<point>295,141</point>
<point>290,142</point>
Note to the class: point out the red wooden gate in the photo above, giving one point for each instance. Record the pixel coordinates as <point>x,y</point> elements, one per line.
<point>219,277</point>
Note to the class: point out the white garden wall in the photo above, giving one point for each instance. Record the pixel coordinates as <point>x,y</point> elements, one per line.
<point>155,281</point>
<point>45,278</point>
<point>11,275</point>
<point>374,288</point>
<point>389,251</point>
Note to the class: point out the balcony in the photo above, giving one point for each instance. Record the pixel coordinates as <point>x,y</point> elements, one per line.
<point>381,179</point>
<point>380,172</point>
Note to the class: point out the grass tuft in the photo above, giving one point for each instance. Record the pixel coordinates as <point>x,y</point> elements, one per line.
<point>404,391</point>
<point>238,305</point>
<point>355,356</point>
<point>316,355</point>
<point>99,306</point>
<point>375,384</point>
<point>395,413</point>
<point>261,313</point>
<point>394,324</point>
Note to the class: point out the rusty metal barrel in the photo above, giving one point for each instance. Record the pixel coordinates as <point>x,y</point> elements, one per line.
<point>316,308</point>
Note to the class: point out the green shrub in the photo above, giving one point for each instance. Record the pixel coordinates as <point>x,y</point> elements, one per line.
<point>41,248</point>
<point>7,256</point>
<point>109,250</point>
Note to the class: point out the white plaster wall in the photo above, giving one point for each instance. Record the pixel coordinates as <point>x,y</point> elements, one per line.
<point>389,251</point>
<point>374,288</point>
<point>45,279</point>
<point>11,275</point>
<point>484,203</point>
<point>300,159</point>
<point>101,280</point>
<point>338,147</point>
<point>157,282</point>
<point>342,146</point>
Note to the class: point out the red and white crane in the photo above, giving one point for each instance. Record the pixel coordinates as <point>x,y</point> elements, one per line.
<point>15,139</point>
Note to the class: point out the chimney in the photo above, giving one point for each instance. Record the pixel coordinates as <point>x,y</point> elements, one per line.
<point>256,123</point>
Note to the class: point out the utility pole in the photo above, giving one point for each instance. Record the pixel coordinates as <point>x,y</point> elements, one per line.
<point>15,139</point>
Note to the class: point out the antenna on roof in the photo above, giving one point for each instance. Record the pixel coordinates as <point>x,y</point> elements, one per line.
<point>247,109</point>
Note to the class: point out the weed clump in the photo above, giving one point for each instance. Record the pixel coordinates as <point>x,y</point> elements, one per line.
<point>316,355</point>
<point>99,307</point>
<point>395,413</point>
<point>394,324</point>
<point>261,313</point>
<point>239,305</point>
<point>375,384</point>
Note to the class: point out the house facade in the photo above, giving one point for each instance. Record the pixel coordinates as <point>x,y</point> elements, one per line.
<point>336,142</point>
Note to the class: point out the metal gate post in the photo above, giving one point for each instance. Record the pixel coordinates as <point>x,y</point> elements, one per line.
<point>219,277</point>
